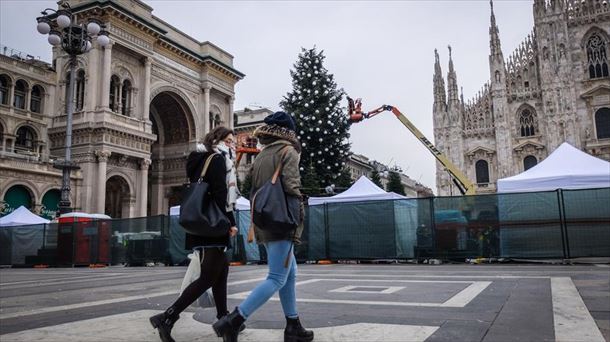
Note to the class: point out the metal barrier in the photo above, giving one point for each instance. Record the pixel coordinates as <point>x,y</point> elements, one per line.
<point>554,224</point>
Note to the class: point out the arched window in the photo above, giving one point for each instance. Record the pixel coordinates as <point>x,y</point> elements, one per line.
<point>597,56</point>
<point>36,99</point>
<point>4,86</point>
<point>1,134</point>
<point>527,123</point>
<point>214,120</point>
<point>115,84</point>
<point>602,123</point>
<point>20,91</point>
<point>80,90</point>
<point>126,98</point>
<point>529,162</point>
<point>482,171</point>
<point>25,139</point>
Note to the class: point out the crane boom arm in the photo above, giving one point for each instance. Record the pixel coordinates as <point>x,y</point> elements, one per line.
<point>462,182</point>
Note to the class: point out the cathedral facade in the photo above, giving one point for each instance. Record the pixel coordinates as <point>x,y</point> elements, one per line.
<point>141,104</point>
<point>554,88</point>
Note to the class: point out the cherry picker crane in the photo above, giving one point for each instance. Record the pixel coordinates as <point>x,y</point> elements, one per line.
<point>356,115</point>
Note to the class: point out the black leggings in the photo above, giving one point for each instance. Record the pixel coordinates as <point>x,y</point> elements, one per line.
<point>214,272</point>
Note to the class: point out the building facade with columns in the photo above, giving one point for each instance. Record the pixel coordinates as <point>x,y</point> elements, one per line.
<point>553,88</point>
<point>141,104</point>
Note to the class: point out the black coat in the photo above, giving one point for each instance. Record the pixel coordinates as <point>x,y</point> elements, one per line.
<point>216,178</point>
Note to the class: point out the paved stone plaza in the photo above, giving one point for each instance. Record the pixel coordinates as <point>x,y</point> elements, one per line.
<point>340,302</point>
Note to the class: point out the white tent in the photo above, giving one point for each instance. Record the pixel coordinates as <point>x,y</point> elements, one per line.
<point>21,217</point>
<point>362,190</point>
<point>22,234</point>
<point>566,168</point>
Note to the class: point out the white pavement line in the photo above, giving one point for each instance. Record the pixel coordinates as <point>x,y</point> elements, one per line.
<point>103,302</point>
<point>420,276</point>
<point>602,265</point>
<point>386,289</point>
<point>134,326</point>
<point>572,319</point>
<point>461,299</point>
<point>69,281</point>
<point>106,275</point>
<point>466,295</point>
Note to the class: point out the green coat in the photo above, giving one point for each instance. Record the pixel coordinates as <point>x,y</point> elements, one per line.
<point>262,170</point>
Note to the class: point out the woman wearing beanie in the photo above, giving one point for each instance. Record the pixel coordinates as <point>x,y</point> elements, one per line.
<point>214,266</point>
<point>277,136</point>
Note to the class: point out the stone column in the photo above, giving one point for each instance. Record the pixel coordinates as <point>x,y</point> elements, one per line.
<point>92,84</point>
<point>105,94</point>
<point>143,193</point>
<point>230,123</point>
<point>206,110</point>
<point>146,100</point>
<point>102,158</point>
<point>28,96</point>
<point>119,98</point>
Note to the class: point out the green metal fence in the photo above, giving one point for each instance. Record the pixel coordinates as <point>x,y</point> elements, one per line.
<point>553,224</point>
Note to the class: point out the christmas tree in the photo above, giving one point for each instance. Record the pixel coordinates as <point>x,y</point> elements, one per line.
<point>376,178</point>
<point>322,126</point>
<point>246,186</point>
<point>394,183</point>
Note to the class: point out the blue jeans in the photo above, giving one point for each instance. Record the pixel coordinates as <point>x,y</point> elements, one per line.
<point>279,278</point>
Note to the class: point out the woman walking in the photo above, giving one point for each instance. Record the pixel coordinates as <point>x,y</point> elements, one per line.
<point>280,146</point>
<point>220,175</point>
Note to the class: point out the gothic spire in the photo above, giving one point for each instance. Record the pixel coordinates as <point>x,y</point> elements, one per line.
<point>440,97</point>
<point>494,37</point>
<point>452,87</point>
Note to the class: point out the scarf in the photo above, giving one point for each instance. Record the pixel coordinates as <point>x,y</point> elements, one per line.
<point>231,177</point>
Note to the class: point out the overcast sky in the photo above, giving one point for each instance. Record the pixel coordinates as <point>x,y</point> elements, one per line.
<point>382,51</point>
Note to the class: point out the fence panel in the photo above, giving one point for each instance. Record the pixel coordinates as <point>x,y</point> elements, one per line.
<point>530,225</point>
<point>587,220</point>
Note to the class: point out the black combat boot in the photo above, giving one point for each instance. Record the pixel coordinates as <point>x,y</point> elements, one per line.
<point>164,322</point>
<point>229,326</point>
<point>241,328</point>
<point>295,332</point>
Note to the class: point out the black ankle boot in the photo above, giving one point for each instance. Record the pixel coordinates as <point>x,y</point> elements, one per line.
<point>241,328</point>
<point>164,322</point>
<point>228,327</point>
<point>295,332</point>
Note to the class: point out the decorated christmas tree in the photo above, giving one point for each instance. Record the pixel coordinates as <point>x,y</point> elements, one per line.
<point>322,126</point>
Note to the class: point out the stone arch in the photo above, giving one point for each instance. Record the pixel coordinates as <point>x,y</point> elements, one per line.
<point>81,63</point>
<point>32,127</point>
<point>526,119</point>
<point>117,173</point>
<point>183,96</point>
<point>118,196</point>
<point>591,31</point>
<point>123,73</point>
<point>596,53</point>
<point>164,100</point>
<point>482,171</point>
<point>529,161</point>
<point>602,123</point>
<point>27,184</point>
<point>214,116</point>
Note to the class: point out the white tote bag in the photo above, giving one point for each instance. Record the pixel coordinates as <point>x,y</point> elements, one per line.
<point>206,300</point>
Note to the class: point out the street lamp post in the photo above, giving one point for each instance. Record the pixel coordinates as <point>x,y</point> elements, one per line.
<point>75,39</point>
